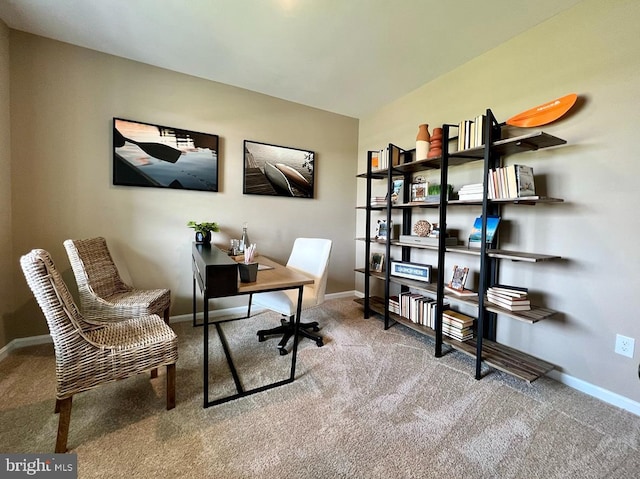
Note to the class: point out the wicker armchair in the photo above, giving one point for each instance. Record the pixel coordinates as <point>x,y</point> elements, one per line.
<point>103,295</point>
<point>88,355</point>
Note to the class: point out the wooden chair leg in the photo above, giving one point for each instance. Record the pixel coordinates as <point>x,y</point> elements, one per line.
<point>171,386</point>
<point>64,408</point>
<point>154,373</point>
<point>167,317</point>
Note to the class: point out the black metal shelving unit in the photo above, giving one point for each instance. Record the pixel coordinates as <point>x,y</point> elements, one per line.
<point>402,164</point>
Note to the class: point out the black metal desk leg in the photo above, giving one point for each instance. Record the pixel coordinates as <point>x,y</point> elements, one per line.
<point>205,335</point>
<point>194,301</point>
<point>296,326</point>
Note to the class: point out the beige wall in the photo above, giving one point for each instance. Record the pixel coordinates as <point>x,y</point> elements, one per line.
<point>593,50</point>
<point>6,256</point>
<point>63,100</point>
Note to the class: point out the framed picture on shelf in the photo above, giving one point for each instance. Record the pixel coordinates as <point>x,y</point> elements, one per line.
<point>278,170</point>
<point>397,195</point>
<point>459,277</point>
<point>417,271</point>
<point>377,262</point>
<point>383,230</point>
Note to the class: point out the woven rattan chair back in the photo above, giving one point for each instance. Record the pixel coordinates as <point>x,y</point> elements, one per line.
<point>104,296</point>
<point>93,267</point>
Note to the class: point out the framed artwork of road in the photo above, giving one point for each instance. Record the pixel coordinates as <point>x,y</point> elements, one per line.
<point>278,170</point>
<point>151,155</point>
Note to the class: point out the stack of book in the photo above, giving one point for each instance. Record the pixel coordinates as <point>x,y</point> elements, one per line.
<point>394,304</point>
<point>514,181</point>
<point>457,325</point>
<point>378,201</point>
<point>509,297</point>
<point>472,192</point>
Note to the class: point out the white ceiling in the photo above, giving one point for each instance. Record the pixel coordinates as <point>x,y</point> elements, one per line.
<point>344,56</point>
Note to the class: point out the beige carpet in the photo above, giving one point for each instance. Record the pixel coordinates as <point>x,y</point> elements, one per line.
<point>369,404</point>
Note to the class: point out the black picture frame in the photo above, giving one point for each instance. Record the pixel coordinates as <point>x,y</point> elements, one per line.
<point>149,155</point>
<point>278,170</point>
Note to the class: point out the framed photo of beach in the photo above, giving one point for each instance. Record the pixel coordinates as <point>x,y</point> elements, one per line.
<point>278,170</point>
<point>151,155</point>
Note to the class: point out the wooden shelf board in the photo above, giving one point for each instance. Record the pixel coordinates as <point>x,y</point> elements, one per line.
<point>417,204</point>
<point>525,200</point>
<point>495,355</point>
<point>504,254</point>
<point>509,146</point>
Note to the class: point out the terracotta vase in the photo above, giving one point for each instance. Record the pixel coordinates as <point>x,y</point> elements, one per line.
<point>422,142</point>
<point>435,147</point>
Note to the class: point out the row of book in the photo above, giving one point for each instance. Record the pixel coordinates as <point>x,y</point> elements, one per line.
<point>380,159</point>
<point>513,181</point>
<point>509,297</point>
<point>421,309</point>
<point>470,133</point>
<point>415,307</point>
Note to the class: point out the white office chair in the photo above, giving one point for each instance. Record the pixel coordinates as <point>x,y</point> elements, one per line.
<point>310,256</point>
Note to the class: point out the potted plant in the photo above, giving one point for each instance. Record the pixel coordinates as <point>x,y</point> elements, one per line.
<point>203,230</point>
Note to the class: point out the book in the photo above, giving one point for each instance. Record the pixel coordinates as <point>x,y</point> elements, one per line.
<point>467,323</point>
<point>525,185</point>
<point>512,291</point>
<point>467,293</point>
<point>513,307</point>
<point>506,299</point>
<point>479,130</point>
<point>506,296</point>
<point>476,232</point>
<point>456,315</point>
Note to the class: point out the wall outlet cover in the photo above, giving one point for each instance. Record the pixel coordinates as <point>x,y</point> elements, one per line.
<point>624,345</point>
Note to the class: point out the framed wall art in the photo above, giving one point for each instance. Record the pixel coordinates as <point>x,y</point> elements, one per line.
<point>278,170</point>
<point>151,155</point>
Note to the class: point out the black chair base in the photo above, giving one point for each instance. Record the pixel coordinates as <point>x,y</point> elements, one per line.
<point>286,330</point>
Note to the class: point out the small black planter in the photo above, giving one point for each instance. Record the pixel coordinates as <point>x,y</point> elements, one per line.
<point>203,238</point>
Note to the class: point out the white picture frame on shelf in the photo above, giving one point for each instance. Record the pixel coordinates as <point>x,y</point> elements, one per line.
<point>383,230</point>
<point>458,278</point>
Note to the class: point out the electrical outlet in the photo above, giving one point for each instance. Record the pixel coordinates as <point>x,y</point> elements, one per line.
<point>624,345</point>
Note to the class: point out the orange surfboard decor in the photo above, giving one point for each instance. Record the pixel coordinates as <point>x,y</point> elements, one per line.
<point>545,113</point>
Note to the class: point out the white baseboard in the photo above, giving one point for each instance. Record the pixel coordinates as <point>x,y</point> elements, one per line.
<point>23,343</point>
<point>238,310</point>
<point>596,392</point>
<point>575,383</point>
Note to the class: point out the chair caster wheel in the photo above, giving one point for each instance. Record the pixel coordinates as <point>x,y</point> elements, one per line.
<point>261,338</point>
<point>316,329</point>
<point>283,351</point>
<point>319,343</point>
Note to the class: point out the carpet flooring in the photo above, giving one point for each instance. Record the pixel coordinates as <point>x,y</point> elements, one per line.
<point>369,404</point>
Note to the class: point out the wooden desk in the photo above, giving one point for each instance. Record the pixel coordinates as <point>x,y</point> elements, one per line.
<point>217,276</point>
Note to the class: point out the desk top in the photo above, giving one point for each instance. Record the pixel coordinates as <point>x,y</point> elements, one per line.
<point>277,277</point>
<point>217,274</point>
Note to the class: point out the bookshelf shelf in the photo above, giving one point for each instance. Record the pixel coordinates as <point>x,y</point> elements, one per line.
<point>489,157</point>
<point>498,356</point>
